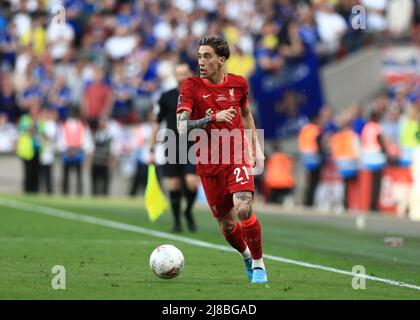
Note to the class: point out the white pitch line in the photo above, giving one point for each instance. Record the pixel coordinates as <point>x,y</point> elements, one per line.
<point>128,227</point>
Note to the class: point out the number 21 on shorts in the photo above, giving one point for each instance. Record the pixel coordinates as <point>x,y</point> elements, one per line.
<point>238,173</point>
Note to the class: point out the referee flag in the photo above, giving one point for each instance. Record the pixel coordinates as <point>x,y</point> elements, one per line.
<point>154,198</point>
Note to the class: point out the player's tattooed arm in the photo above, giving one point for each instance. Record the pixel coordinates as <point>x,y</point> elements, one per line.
<point>184,124</point>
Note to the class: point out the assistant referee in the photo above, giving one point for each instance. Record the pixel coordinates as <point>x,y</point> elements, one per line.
<point>178,178</point>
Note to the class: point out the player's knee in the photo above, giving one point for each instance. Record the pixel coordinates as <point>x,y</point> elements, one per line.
<point>243,210</point>
<point>227,226</point>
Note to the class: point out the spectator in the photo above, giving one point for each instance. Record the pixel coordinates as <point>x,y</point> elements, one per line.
<point>376,20</point>
<point>97,99</point>
<point>59,39</point>
<point>329,127</point>
<point>104,158</point>
<point>121,44</point>
<point>36,36</point>
<point>240,63</point>
<point>268,57</point>
<point>8,99</point>
<point>8,134</point>
<point>359,121</point>
<point>122,91</point>
<point>9,44</point>
<point>331,28</point>
<point>48,132</point>
<point>60,97</point>
<point>30,93</point>
<point>400,17</point>
<point>391,128</point>
<point>308,29</point>
<point>291,45</point>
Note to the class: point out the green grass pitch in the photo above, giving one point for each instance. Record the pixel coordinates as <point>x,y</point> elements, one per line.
<point>108,263</point>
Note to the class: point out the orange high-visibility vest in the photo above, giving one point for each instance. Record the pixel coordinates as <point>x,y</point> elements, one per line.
<point>345,145</point>
<point>369,137</point>
<point>73,131</point>
<point>279,171</point>
<point>307,138</point>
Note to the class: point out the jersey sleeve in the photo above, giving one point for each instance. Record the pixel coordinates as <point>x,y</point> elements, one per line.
<point>186,97</point>
<point>244,100</point>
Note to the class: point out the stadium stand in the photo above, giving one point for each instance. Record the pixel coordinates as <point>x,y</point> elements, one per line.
<point>114,58</point>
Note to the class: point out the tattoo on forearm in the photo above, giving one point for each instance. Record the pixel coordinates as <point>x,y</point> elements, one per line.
<point>185,124</point>
<point>200,123</point>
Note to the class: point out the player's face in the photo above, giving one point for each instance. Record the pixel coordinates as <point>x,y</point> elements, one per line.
<point>209,62</point>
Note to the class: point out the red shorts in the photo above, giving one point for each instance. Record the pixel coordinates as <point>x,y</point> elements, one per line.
<point>220,188</point>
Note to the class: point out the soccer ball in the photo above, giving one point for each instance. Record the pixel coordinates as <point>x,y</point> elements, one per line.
<point>167,261</point>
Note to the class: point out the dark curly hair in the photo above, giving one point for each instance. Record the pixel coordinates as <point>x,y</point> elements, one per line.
<point>219,45</point>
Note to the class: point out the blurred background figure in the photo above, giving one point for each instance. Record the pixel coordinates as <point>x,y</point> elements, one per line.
<point>142,142</point>
<point>60,97</point>
<point>391,130</point>
<point>104,157</point>
<point>117,59</point>
<point>410,136</point>
<point>312,157</point>
<point>8,134</point>
<point>179,178</point>
<point>97,98</point>
<point>8,98</point>
<point>345,153</point>
<point>279,181</point>
<point>374,156</point>
<point>75,144</point>
<point>29,145</point>
<point>49,132</point>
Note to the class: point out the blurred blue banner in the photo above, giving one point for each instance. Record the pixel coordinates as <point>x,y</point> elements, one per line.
<point>286,100</point>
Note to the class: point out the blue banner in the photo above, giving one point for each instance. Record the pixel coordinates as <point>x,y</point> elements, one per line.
<point>287,100</point>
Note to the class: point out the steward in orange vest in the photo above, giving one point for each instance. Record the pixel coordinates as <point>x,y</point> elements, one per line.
<point>345,151</point>
<point>310,145</point>
<point>73,135</point>
<point>279,172</point>
<point>372,146</point>
<point>278,177</point>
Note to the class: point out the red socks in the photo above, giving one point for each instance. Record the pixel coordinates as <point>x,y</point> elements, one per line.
<point>251,230</point>
<point>235,238</point>
<point>248,232</point>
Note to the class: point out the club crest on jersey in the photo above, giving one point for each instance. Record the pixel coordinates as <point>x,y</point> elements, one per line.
<point>232,94</point>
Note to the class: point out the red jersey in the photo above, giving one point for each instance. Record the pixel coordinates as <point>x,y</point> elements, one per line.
<point>202,98</point>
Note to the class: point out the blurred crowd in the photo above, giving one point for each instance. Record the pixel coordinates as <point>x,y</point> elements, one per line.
<point>83,83</point>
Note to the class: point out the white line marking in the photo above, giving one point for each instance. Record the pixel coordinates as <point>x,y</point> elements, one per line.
<point>128,227</point>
